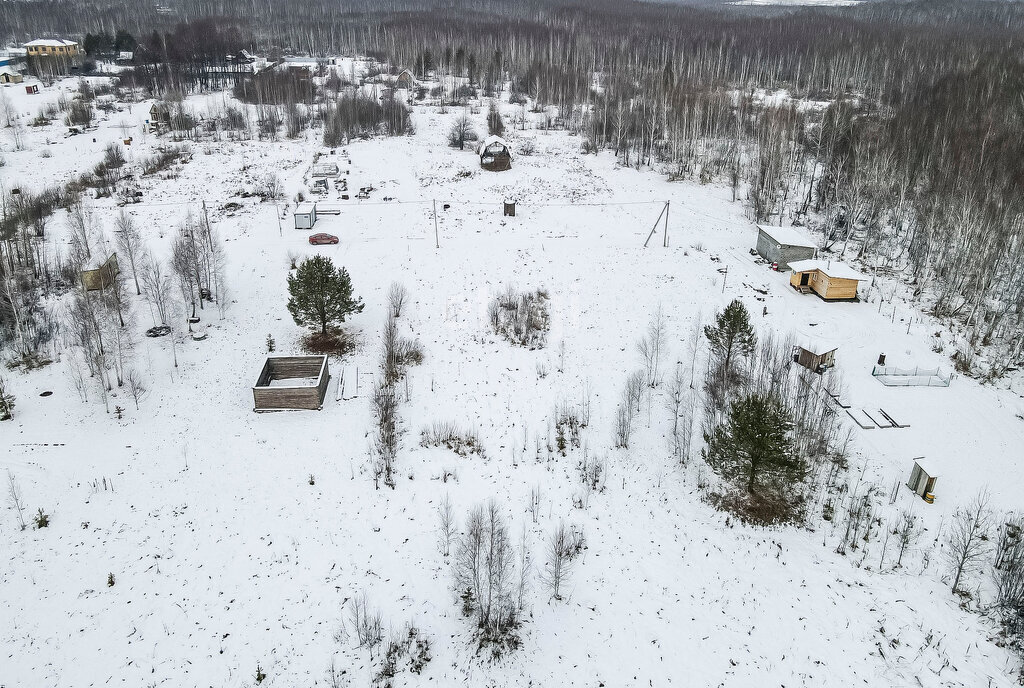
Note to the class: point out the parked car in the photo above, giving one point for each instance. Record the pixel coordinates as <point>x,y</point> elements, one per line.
<point>322,238</point>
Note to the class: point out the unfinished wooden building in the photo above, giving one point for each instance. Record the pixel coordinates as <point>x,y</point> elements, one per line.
<point>291,383</point>
<point>829,279</point>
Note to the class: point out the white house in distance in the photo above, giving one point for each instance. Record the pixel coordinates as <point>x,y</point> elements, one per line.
<point>784,245</point>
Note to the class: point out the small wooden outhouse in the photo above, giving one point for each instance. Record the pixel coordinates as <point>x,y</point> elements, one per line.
<point>305,216</point>
<point>922,479</point>
<point>829,279</point>
<point>815,356</point>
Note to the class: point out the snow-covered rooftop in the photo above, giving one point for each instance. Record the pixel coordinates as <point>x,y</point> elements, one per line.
<point>8,70</point>
<point>491,141</point>
<point>832,268</point>
<point>787,236</point>
<point>817,346</point>
<point>929,466</point>
<point>50,42</point>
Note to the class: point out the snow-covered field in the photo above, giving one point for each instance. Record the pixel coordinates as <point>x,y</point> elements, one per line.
<point>225,555</point>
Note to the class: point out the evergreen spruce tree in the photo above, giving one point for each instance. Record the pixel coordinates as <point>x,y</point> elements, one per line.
<point>731,333</point>
<point>754,446</point>
<point>321,294</point>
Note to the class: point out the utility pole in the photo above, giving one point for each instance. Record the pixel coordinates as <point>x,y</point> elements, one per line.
<point>437,240</point>
<point>654,229</point>
<point>665,242</point>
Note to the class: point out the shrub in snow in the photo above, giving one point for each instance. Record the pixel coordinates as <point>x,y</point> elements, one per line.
<point>6,401</point>
<point>521,318</point>
<point>41,519</point>
<point>495,127</point>
<point>15,499</point>
<point>367,623</point>
<point>564,547</point>
<point>967,544</point>
<point>488,581</point>
<point>397,296</point>
<point>408,644</point>
<point>450,436</point>
<point>461,133</point>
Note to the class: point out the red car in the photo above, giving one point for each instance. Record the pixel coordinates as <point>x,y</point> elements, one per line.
<point>321,238</point>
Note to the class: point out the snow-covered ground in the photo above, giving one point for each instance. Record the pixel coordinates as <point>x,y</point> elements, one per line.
<point>236,538</point>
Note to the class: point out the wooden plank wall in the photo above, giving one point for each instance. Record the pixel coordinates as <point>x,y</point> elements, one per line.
<point>299,398</point>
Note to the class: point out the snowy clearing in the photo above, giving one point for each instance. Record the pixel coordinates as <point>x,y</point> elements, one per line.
<point>236,538</point>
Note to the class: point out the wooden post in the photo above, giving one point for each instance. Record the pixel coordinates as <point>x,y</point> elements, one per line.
<point>725,278</point>
<point>437,240</point>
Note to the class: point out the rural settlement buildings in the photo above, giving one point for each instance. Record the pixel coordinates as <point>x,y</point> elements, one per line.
<point>829,279</point>
<point>9,76</point>
<point>783,245</point>
<point>52,47</point>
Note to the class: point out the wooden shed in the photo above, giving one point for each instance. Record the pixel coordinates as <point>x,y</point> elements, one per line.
<point>159,117</point>
<point>783,245</point>
<point>495,154</point>
<point>815,356</point>
<point>305,215</point>
<point>8,75</point>
<point>922,479</point>
<point>291,383</point>
<point>405,80</point>
<point>101,277</point>
<point>831,280</point>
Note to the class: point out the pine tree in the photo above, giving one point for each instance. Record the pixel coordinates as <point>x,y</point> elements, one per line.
<point>320,294</point>
<point>731,333</point>
<point>754,445</point>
